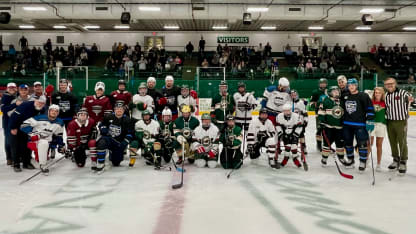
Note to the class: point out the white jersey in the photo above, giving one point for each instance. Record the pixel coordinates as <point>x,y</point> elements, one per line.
<point>190,101</point>
<point>241,101</point>
<point>150,131</point>
<point>137,98</point>
<point>257,126</point>
<point>43,127</point>
<point>288,126</point>
<point>208,138</point>
<point>276,100</point>
<point>300,109</point>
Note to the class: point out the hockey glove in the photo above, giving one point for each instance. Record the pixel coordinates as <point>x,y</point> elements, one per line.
<point>162,101</point>
<point>212,154</point>
<point>104,130</point>
<point>250,148</point>
<point>200,149</point>
<point>369,125</point>
<point>34,138</point>
<point>181,139</point>
<point>193,94</point>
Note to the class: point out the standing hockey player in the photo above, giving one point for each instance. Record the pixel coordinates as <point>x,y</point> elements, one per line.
<point>231,156</point>
<point>315,99</point>
<point>81,134</point>
<point>98,105</point>
<point>277,98</point>
<point>205,143</point>
<point>66,101</point>
<point>298,106</point>
<point>342,85</point>
<point>358,120</point>
<point>170,94</point>
<point>261,133</point>
<point>330,117</point>
<point>141,102</point>
<point>223,106</point>
<point>186,99</point>
<point>183,128</point>
<point>116,133</point>
<point>6,106</point>
<point>245,103</point>
<point>155,94</point>
<point>289,128</point>
<point>37,89</point>
<point>45,132</point>
<point>147,132</point>
<point>121,95</point>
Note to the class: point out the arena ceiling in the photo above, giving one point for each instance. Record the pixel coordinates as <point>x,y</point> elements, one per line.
<point>203,15</point>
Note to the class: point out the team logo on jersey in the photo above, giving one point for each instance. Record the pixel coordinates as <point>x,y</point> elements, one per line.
<point>146,134</point>
<point>377,108</point>
<point>166,132</point>
<point>97,109</point>
<point>206,141</point>
<point>64,106</point>
<point>115,130</point>
<point>337,112</point>
<point>351,106</point>
<point>242,106</point>
<point>187,132</point>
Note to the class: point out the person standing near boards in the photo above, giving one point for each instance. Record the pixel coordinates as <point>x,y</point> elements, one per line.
<point>397,113</point>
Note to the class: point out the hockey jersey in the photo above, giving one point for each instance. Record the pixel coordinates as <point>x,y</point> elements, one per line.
<point>123,97</point>
<point>288,126</point>
<point>171,98</point>
<point>138,101</point>
<point>98,107</point>
<point>316,97</point>
<point>118,128</point>
<point>207,136</point>
<point>330,113</point>
<point>45,128</point>
<point>257,127</point>
<point>78,133</point>
<point>189,100</point>
<point>358,109</point>
<point>67,103</point>
<point>244,103</point>
<point>231,137</point>
<point>276,100</point>
<point>147,132</point>
<point>221,103</point>
<point>300,109</point>
<point>184,127</point>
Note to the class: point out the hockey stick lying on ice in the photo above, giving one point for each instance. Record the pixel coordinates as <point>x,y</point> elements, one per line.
<point>178,186</point>
<point>39,172</point>
<point>348,176</point>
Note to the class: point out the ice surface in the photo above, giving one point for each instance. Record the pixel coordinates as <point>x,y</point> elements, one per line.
<point>255,200</point>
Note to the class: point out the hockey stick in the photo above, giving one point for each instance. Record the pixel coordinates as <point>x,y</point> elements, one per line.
<point>302,152</point>
<point>176,167</point>
<point>276,156</point>
<point>371,155</point>
<point>39,172</point>
<point>178,186</point>
<point>348,176</point>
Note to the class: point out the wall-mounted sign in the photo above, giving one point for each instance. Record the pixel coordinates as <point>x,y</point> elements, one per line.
<point>222,39</point>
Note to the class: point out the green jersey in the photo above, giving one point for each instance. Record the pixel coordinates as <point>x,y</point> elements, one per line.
<point>220,103</point>
<point>231,137</point>
<point>380,112</point>
<point>316,98</point>
<point>330,113</point>
<point>181,126</point>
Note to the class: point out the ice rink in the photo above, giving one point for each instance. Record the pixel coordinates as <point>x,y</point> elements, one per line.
<point>255,200</point>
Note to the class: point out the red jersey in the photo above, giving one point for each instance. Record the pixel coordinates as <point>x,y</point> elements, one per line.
<point>78,133</point>
<point>98,107</point>
<point>123,97</point>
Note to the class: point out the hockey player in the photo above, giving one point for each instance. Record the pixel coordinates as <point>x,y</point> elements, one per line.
<point>141,102</point>
<point>289,128</point>
<point>155,94</point>
<point>231,156</point>
<point>121,95</point>
<point>298,106</point>
<point>22,97</point>
<point>98,105</point>
<point>167,136</point>
<point>37,89</point>
<point>147,132</point>
<point>45,132</point>
<point>81,134</point>
<point>205,143</point>
<point>244,103</point>
<point>261,133</point>
<point>277,98</point>
<point>67,102</point>
<point>330,117</point>
<point>183,128</point>
<point>6,106</point>
<point>223,106</point>
<point>315,98</point>
<point>342,85</point>
<point>170,93</point>
<point>23,112</point>
<point>186,99</point>
<point>358,120</point>
<point>116,133</point>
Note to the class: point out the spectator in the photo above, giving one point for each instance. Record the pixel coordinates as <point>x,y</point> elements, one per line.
<point>137,48</point>
<point>404,48</point>
<point>268,50</point>
<point>142,64</point>
<point>380,129</point>
<point>411,79</point>
<point>288,50</point>
<point>223,60</point>
<point>305,49</point>
<point>121,71</point>
<point>201,45</point>
<point>48,46</point>
<point>396,48</point>
<point>337,48</point>
<point>12,52</point>
<point>309,66</point>
<point>84,57</point>
<point>324,49</point>
<point>23,43</point>
<point>189,49</point>
<point>128,65</point>
<point>373,50</point>
<point>323,66</point>
<point>219,49</point>
<point>205,63</point>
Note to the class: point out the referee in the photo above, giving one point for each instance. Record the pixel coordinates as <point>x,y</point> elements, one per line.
<point>397,113</point>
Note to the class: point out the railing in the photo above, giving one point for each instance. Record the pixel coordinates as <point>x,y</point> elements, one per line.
<point>30,46</point>
<point>409,49</point>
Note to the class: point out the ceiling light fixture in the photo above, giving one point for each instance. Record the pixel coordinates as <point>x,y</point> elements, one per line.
<point>149,8</point>
<point>257,9</point>
<point>371,10</point>
<point>26,26</point>
<point>315,27</point>
<point>34,8</point>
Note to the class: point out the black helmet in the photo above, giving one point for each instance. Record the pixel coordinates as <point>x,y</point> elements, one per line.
<point>241,84</point>
<point>263,111</point>
<point>121,82</point>
<point>230,117</point>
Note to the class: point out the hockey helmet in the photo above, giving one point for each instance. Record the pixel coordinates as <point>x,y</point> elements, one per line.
<point>186,109</point>
<point>287,107</point>
<point>166,111</point>
<point>169,77</point>
<point>99,85</point>
<point>63,81</point>
<point>205,116</point>
<point>142,85</point>
<point>241,84</point>
<point>118,105</point>
<point>331,91</point>
<point>284,82</point>
<point>230,117</point>
<point>123,82</point>
<point>83,110</point>
<point>323,80</point>
<point>262,111</point>
<point>185,86</point>
<point>352,81</point>
<point>294,94</point>
<point>151,79</point>
<point>145,112</point>
<point>54,107</point>
<point>185,90</point>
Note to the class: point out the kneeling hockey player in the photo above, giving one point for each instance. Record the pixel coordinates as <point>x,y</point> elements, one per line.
<point>231,156</point>
<point>183,127</point>
<point>166,134</point>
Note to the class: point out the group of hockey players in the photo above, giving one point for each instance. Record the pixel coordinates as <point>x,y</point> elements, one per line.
<point>156,123</point>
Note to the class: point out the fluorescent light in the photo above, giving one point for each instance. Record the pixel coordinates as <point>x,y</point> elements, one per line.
<point>149,8</point>
<point>363,28</point>
<point>59,26</point>
<point>171,27</point>
<point>121,27</point>
<point>410,28</point>
<point>257,9</point>
<point>26,26</point>
<point>33,8</point>
<point>219,27</point>
<point>268,27</point>
<point>316,27</point>
<point>92,27</point>
<point>371,10</point>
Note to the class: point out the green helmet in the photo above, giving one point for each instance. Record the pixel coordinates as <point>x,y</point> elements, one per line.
<point>145,112</point>
<point>205,116</point>
<point>332,88</point>
<point>323,80</point>
<point>185,86</point>
<point>142,85</point>
<point>241,84</point>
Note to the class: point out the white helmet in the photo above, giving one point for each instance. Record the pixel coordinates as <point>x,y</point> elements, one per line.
<point>54,106</point>
<point>151,79</point>
<point>342,77</point>
<point>166,111</point>
<point>284,82</point>
<point>169,77</point>
<point>99,85</point>
<point>286,107</point>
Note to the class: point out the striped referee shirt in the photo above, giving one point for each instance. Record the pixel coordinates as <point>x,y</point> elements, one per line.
<point>397,105</point>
